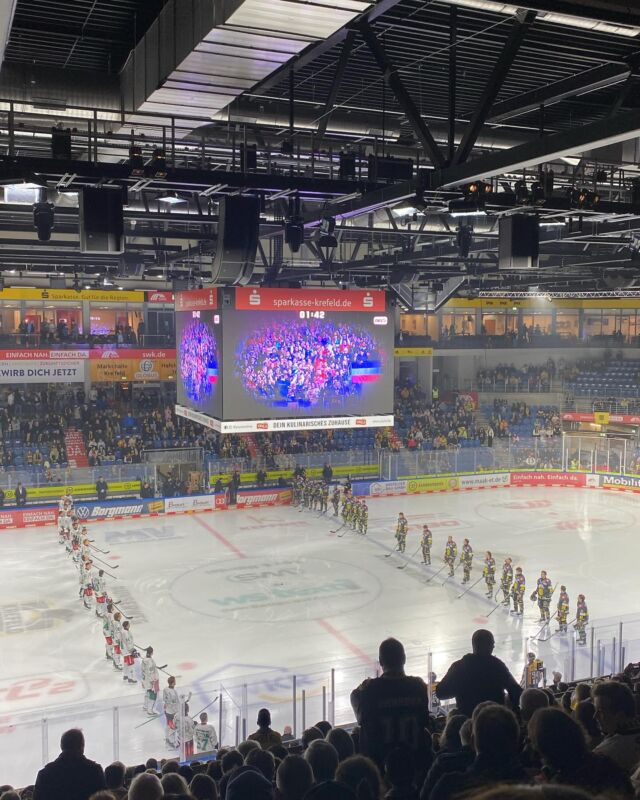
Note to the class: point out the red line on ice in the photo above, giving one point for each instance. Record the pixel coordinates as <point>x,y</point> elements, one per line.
<point>347,643</point>
<point>222,539</point>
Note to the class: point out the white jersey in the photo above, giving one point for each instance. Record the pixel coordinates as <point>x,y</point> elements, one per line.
<point>64,522</point>
<point>170,700</point>
<point>127,642</point>
<point>117,632</point>
<point>149,672</point>
<point>107,625</point>
<point>99,585</point>
<point>206,738</point>
<point>187,727</point>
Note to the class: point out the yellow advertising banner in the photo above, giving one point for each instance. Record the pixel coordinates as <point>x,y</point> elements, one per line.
<point>140,370</point>
<point>601,417</point>
<point>435,484</point>
<point>413,351</point>
<point>77,490</point>
<point>97,295</point>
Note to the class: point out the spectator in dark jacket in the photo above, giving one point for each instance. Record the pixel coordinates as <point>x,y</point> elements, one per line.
<point>21,496</point>
<point>496,737</point>
<point>71,776</point>
<point>101,488</point>
<point>455,753</point>
<point>478,676</point>
<point>1,498</point>
<point>327,473</point>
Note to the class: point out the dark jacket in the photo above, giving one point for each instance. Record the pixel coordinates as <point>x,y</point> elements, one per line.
<point>446,761</point>
<point>21,496</point>
<point>476,678</point>
<point>68,778</point>
<point>482,772</point>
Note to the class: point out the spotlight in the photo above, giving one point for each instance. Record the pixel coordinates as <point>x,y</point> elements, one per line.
<point>43,220</point>
<point>294,234</point>
<point>158,167</point>
<point>136,162</point>
<point>464,239</point>
<point>326,237</point>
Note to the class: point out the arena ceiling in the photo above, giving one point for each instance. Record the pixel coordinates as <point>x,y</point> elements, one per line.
<point>537,104</point>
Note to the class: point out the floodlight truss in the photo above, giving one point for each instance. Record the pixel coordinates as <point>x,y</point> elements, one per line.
<point>560,295</point>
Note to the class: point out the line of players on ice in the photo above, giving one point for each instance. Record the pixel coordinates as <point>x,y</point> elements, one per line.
<point>120,647</point>
<point>316,494</point>
<point>512,585</point>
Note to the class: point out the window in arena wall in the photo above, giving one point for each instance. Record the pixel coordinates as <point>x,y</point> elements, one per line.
<point>58,316</point>
<point>540,322</point>
<point>628,325</point>
<point>9,320</point>
<point>459,323</point>
<point>592,323</point>
<point>567,324</point>
<point>413,324</point>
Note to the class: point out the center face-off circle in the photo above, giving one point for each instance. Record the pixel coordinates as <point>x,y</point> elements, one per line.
<point>280,590</point>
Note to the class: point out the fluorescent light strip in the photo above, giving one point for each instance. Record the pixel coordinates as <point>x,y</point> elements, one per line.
<point>629,31</point>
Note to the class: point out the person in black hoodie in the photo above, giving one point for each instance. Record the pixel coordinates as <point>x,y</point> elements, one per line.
<point>71,776</point>
<point>479,676</point>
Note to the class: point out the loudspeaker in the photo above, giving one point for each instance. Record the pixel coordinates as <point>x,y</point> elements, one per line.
<point>238,230</point>
<point>101,221</point>
<point>518,242</point>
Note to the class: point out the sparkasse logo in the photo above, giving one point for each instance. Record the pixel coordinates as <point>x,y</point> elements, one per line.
<point>254,298</point>
<point>361,421</point>
<point>367,301</point>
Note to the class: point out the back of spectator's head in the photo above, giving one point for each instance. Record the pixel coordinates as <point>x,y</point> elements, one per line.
<point>170,766</point>
<point>466,733</point>
<point>330,790</point>
<point>582,692</point>
<point>399,767</point>
<point>359,770</point>
<point>309,735</point>
<point>530,701</point>
<point>262,760</point>
<point>203,787</point>
<point>323,760</point>
<point>264,718</point>
<point>186,772</point>
<point>72,742</point>
<point>13,795</point>
<point>231,760</point>
<point>342,742</point>
<point>248,783</point>
<point>173,783</point>
<point>548,791</point>
<point>145,787</point>
<point>450,738</point>
<point>151,763</point>
<point>496,732</point>
<point>114,775</point>
<point>482,642</point>
<point>245,747</point>
<point>391,655</point>
<point>615,705</point>
<point>278,751</point>
<point>557,738</point>
<point>294,778</point>
<point>585,715</point>
<point>323,726</point>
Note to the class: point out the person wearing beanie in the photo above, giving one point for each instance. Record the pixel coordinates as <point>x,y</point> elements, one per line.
<point>248,783</point>
<point>265,736</point>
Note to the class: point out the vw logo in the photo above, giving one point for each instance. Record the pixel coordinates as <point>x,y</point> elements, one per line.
<point>83,512</point>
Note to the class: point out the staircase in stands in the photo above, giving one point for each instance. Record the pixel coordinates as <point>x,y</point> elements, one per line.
<point>76,451</point>
<point>252,447</point>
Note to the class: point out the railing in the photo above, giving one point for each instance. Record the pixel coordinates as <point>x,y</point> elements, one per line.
<point>67,476</point>
<point>335,458</point>
<point>37,341</point>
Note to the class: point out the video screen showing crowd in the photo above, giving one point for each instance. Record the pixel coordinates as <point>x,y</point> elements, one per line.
<point>315,495</point>
<point>120,647</point>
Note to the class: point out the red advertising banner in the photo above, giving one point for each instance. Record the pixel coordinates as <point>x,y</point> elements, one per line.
<point>26,517</point>
<point>602,418</point>
<point>258,299</point>
<point>195,299</point>
<point>43,355</point>
<point>159,297</point>
<point>548,478</point>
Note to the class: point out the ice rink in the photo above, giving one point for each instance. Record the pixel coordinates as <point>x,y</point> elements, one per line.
<point>239,602</point>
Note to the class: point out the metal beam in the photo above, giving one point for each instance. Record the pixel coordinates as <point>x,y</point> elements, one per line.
<point>392,77</point>
<point>589,81</point>
<point>539,151</point>
<point>519,29</point>
<point>318,49</point>
<point>453,74</point>
<point>335,86</point>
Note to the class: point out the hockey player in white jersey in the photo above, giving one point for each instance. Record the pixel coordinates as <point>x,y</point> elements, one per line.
<point>171,705</point>
<point>150,681</point>
<point>107,631</point>
<point>100,593</point>
<point>116,634</point>
<point>129,653</point>
<point>86,578</point>
<point>205,735</point>
<point>186,729</point>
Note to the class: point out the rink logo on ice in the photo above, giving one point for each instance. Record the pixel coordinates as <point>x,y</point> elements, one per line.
<point>31,615</point>
<point>276,591</point>
<point>29,692</point>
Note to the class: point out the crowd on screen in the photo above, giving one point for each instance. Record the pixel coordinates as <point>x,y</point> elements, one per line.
<point>500,738</point>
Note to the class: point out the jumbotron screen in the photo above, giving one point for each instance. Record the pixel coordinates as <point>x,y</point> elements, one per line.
<point>307,353</point>
<point>199,345</point>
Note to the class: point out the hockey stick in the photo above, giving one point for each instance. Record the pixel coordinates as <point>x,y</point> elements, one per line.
<point>106,563</point>
<point>497,606</point>
<point>147,721</point>
<point>340,528</point>
<point>404,566</point>
<point>340,535</point>
<point>217,697</point>
<point>104,552</point>
<point>391,552</point>
<point>435,574</point>
<point>469,588</point>
<point>115,577</point>
<point>120,610</point>
<point>546,625</point>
